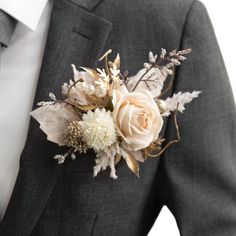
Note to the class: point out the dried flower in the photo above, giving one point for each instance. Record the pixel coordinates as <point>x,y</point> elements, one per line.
<point>101,88</point>
<point>115,115</point>
<point>163,53</point>
<point>98,129</point>
<point>152,57</point>
<point>137,117</point>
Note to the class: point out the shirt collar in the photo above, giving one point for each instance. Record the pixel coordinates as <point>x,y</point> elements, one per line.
<point>27,12</point>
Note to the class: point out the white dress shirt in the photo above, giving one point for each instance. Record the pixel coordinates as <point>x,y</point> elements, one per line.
<point>19,71</point>
<point>27,12</point>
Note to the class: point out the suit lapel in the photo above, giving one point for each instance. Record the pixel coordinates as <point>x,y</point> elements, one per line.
<point>75,36</point>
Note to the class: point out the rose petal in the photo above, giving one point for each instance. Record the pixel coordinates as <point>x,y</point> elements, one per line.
<point>138,119</point>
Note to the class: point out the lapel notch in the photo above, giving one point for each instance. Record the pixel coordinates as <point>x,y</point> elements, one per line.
<point>87,4</point>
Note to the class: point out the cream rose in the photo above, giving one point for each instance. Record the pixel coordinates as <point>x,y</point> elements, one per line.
<point>137,118</point>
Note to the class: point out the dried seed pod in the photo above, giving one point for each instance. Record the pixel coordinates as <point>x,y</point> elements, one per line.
<point>73,137</point>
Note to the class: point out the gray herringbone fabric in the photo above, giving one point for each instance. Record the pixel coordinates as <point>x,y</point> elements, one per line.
<point>196,178</point>
<point>7,25</point>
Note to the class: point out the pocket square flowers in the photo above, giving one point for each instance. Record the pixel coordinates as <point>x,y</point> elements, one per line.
<point>116,115</point>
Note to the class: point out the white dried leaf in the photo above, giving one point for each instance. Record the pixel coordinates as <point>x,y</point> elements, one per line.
<point>103,75</point>
<point>77,92</point>
<point>104,159</point>
<point>179,99</point>
<point>154,78</point>
<point>53,97</point>
<point>146,65</point>
<point>114,70</point>
<point>54,119</point>
<point>112,166</point>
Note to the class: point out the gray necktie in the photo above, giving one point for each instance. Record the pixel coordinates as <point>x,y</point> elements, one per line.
<point>7,25</point>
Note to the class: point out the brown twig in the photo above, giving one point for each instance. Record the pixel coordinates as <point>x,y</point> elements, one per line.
<point>74,83</point>
<point>105,56</point>
<point>168,87</point>
<point>152,66</point>
<point>170,142</point>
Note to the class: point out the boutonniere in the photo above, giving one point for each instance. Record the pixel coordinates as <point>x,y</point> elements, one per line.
<point>116,115</point>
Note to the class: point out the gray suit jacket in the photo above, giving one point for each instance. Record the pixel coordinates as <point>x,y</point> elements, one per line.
<point>196,179</point>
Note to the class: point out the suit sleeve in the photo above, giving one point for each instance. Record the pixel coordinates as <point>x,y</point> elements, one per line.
<point>198,175</point>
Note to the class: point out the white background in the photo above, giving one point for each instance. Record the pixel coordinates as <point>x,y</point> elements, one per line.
<point>223,17</point>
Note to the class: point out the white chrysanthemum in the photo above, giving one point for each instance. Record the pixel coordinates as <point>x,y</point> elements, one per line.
<point>98,129</point>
